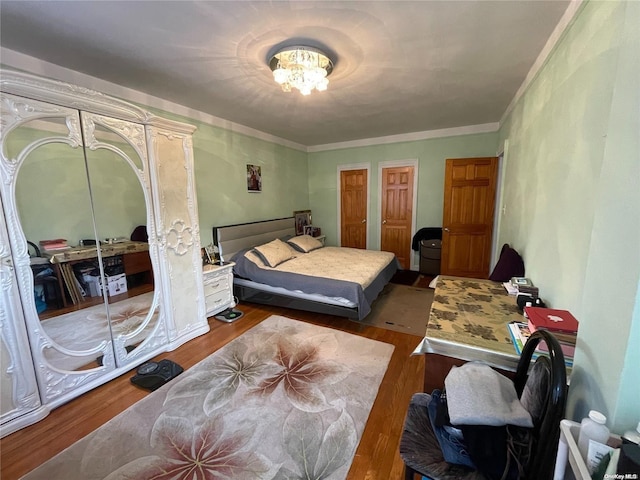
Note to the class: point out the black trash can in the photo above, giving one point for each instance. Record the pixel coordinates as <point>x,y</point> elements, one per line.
<point>430,257</point>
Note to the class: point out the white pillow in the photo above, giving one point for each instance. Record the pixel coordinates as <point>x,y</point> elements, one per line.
<point>478,395</point>
<point>274,253</point>
<point>305,243</point>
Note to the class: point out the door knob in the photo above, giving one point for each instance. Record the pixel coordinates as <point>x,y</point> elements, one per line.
<point>364,221</point>
<point>384,221</point>
<point>446,229</point>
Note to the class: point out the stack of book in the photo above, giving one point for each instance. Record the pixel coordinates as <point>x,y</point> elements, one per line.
<point>525,286</point>
<point>521,286</point>
<point>561,323</point>
<point>54,245</point>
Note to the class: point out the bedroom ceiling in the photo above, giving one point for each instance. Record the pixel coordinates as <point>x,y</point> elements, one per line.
<point>400,67</point>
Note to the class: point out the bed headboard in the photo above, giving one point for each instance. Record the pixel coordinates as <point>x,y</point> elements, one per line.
<point>232,238</point>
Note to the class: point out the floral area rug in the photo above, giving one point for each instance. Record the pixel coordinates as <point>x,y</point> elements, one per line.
<point>285,400</point>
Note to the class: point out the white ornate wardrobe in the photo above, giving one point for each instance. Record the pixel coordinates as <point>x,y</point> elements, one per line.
<point>86,167</point>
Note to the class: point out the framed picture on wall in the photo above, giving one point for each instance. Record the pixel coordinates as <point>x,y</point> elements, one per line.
<point>254,178</point>
<point>302,218</point>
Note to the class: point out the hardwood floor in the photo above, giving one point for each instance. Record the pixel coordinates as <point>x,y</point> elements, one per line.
<point>377,457</point>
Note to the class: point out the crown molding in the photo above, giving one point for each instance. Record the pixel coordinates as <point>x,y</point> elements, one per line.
<point>34,65</point>
<point>409,137</point>
<point>20,61</point>
<point>566,19</point>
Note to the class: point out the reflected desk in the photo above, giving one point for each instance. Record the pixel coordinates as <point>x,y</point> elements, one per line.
<point>135,260</point>
<point>468,321</point>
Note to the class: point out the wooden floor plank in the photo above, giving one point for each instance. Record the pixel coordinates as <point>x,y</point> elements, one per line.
<point>377,455</point>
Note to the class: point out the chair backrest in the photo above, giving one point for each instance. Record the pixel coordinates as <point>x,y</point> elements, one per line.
<point>36,250</point>
<point>543,391</point>
<point>139,234</point>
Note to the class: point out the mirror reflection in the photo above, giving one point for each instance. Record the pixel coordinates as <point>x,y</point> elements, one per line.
<point>121,216</point>
<point>54,209</point>
<point>84,221</point>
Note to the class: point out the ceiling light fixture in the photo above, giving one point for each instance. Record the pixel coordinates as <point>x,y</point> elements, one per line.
<point>304,68</point>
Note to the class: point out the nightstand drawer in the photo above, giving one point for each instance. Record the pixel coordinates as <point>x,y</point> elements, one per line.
<point>218,288</point>
<point>216,301</point>
<point>216,285</point>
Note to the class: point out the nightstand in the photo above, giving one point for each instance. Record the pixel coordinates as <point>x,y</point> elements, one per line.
<point>218,288</point>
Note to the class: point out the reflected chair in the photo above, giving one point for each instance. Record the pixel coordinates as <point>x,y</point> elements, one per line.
<point>50,283</point>
<point>542,389</point>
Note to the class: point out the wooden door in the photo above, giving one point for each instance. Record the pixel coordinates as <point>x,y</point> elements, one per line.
<point>469,204</point>
<point>397,212</point>
<point>353,208</point>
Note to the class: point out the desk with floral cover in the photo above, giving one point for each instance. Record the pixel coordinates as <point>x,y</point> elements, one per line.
<point>468,321</point>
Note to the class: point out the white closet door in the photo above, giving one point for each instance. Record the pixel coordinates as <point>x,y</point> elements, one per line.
<point>72,338</point>
<point>46,196</point>
<point>118,172</point>
<point>19,399</point>
<point>177,228</point>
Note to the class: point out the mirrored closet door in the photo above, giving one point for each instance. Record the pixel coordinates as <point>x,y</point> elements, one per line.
<point>119,181</point>
<point>77,203</point>
<point>100,266</point>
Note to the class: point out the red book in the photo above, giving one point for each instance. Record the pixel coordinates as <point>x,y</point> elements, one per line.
<point>551,319</point>
<point>54,241</point>
<point>567,350</point>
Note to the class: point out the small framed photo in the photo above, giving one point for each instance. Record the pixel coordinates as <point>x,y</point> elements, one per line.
<point>254,178</point>
<point>208,255</point>
<point>302,218</point>
<point>308,230</point>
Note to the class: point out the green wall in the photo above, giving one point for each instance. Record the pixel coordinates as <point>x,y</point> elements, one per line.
<point>572,203</point>
<point>57,173</point>
<point>52,190</point>
<point>221,157</point>
<point>431,155</point>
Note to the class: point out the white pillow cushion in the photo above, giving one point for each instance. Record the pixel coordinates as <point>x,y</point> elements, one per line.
<point>275,252</point>
<point>304,243</point>
<point>478,395</point>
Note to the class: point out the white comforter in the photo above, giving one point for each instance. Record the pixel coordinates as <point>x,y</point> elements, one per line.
<point>335,263</point>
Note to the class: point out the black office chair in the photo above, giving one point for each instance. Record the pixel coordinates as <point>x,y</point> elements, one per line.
<point>43,275</point>
<point>542,390</point>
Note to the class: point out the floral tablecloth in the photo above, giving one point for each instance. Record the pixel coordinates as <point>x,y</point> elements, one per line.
<point>468,320</point>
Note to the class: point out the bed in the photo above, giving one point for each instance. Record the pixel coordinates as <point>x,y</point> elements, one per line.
<point>331,280</point>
